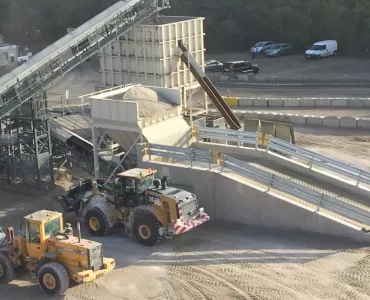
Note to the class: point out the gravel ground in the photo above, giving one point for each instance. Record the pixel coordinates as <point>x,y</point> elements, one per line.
<point>214,261</point>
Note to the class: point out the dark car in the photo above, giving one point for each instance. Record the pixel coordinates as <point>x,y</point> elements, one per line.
<point>213,66</point>
<point>262,47</point>
<point>279,50</point>
<point>241,67</point>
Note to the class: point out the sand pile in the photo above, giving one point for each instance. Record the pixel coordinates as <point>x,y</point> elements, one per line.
<point>149,102</point>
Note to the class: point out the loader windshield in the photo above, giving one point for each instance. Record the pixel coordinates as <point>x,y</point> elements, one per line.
<point>145,183</point>
<point>52,227</point>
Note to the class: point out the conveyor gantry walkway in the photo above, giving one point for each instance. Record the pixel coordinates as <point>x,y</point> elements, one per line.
<point>36,75</point>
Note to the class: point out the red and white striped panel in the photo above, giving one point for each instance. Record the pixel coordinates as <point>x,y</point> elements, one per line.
<point>181,227</point>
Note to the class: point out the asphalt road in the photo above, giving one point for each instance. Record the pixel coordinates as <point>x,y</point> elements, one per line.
<point>294,92</point>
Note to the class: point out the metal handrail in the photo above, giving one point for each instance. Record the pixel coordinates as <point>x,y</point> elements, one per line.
<point>287,149</point>
<point>321,200</point>
<point>313,158</point>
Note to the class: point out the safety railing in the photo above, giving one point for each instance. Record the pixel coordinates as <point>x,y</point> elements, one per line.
<point>342,207</point>
<point>283,148</point>
<point>313,158</point>
<point>180,154</point>
<point>241,138</point>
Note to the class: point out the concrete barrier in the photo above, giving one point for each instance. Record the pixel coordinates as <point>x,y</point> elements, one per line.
<point>307,103</point>
<point>267,116</point>
<point>339,103</point>
<point>323,102</point>
<point>276,103</point>
<point>355,103</point>
<point>251,115</point>
<point>363,123</point>
<point>298,119</point>
<point>301,102</point>
<point>245,102</point>
<point>291,103</point>
<point>330,121</point>
<point>284,118</point>
<point>260,102</point>
<point>314,120</point>
<point>348,122</point>
<point>232,101</point>
<point>232,199</point>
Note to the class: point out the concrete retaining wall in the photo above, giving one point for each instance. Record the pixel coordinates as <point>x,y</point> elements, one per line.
<point>344,122</point>
<point>298,102</point>
<point>233,200</point>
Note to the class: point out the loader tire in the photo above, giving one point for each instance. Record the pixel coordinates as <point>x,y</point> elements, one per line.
<point>96,222</point>
<point>53,279</point>
<point>146,230</point>
<point>7,271</point>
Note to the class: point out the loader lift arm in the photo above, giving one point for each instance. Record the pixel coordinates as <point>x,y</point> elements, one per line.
<point>209,88</point>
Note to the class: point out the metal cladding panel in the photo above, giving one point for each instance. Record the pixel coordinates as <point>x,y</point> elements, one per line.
<point>123,138</point>
<point>114,110</point>
<point>148,54</point>
<point>177,132</point>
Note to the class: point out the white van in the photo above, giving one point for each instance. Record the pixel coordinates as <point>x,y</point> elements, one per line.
<point>322,49</point>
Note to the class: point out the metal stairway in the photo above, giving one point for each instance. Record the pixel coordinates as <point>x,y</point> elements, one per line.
<point>209,88</point>
<point>36,75</point>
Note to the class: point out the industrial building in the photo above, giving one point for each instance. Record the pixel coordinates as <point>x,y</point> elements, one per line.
<point>148,54</point>
<point>8,54</point>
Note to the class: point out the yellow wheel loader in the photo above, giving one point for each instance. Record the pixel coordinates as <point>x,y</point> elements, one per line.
<point>51,253</point>
<point>146,207</point>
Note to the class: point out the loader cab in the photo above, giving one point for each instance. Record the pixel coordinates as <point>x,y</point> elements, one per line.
<point>38,227</point>
<point>131,186</point>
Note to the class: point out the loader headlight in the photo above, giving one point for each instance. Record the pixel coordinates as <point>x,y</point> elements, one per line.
<point>201,210</point>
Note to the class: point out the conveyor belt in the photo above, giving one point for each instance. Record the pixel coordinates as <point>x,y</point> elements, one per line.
<point>37,74</point>
<point>209,88</point>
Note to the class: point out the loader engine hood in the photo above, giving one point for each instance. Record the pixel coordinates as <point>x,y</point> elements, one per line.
<point>174,193</point>
<point>88,253</point>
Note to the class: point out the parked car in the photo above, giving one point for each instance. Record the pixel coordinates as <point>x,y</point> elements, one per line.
<point>261,47</point>
<point>241,67</point>
<point>213,66</point>
<point>322,49</point>
<point>279,50</point>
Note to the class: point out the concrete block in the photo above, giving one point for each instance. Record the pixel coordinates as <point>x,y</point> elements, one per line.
<point>355,103</point>
<point>314,120</point>
<point>232,101</point>
<point>298,119</point>
<point>330,122</point>
<point>245,102</point>
<point>283,118</point>
<point>266,116</point>
<point>323,102</point>
<point>366,103</point>
<point>291,103</point>
<point>260,102</point>
<point>276,103</point>
<point>348,122</point>
<point>307,103</point>
<point>251,116</point>
<point>339,103</point>
<point>363,123</point>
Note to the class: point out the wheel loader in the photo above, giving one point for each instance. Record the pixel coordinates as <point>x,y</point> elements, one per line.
<point>51,253</point>
<point>144,206</point>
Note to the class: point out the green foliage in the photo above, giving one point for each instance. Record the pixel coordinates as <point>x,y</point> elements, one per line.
<point>232,25</point>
